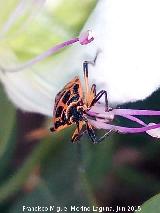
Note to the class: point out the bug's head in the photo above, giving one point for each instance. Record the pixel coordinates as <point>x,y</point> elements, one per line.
<point>80,110</point>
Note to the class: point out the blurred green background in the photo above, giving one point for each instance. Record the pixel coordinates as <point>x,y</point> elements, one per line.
<point>122,171</point>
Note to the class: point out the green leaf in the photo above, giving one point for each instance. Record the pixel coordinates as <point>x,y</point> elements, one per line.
<point>61,181</point>
<point>151,205</point>
<point>14,183</point>
<point>7,113</point>
<point>66,171</point>
<point>98,160</point>
<point>61,173</point>
<point>7,132</point>
<point>39,197</point>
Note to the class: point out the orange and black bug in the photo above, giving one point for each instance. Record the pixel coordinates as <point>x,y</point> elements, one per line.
<point>71,106</point>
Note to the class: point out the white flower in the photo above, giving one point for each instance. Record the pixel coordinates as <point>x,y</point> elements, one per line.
<point>127,34</point>
<point>153,132</point>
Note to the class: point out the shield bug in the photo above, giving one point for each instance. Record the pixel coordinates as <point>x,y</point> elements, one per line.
<point>71,106</point>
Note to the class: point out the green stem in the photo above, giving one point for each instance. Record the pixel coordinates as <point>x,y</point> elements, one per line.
<point>88,190</point>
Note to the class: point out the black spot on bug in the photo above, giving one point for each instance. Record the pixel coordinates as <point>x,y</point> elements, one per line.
<point>57,124</point>
<point>75,98</point>
<point>75,88</point>
<point>75,114</point>
<point>66,97</point>
<point>64,119</point>
<point>59,111</point>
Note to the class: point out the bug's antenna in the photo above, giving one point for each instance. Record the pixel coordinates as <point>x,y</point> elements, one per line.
<point>95,59</point>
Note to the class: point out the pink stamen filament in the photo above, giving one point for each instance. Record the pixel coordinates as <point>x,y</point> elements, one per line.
<point>83,40</point>
<point>121,129</point>
<point>126,113</point>
<point>135,112</point>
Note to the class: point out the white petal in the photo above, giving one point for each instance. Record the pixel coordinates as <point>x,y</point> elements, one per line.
<point>128,34</point>
<point>153,132</point>
<point>27,90</point>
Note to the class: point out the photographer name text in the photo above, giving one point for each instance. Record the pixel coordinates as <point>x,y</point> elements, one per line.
<point>81,209</point>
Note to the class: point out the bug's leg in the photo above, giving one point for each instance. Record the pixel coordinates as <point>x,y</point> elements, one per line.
<point>92,95</point>
<point>89,94</point>
<point>91,132</point>
<point>98,96</point>
<point>93,89</point>
<point>92,135</point>
<point>77,133</point>
<point>52,129</point>
<point>104,136</point>
<point>85,70</point>
<point>75,136</point>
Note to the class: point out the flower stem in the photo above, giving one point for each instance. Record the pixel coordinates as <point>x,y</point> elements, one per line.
<point>87,188</point>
